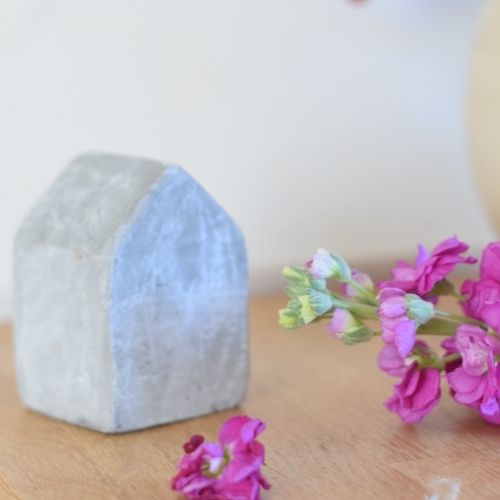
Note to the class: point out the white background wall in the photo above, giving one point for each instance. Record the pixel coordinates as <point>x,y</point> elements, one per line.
<point>314,122</point>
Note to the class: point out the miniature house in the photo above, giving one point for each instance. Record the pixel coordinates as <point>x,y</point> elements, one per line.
<point>130,298</point>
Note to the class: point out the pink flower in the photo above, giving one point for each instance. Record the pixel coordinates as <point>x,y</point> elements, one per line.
<point>474,346</point>
<point>227,470</point>
<point>342,321</point>
<point>397,327</point>
<point>324,264</point>
<point>429,269</point>
<point>347,328</point>
<point>490,262</point>
<point>390,361</point>
<point>478,391</point>
<point>475,383</point>
<point>483,296</point>
<point>482,301</point>
<point>321,264</point>
<point>417,393</point>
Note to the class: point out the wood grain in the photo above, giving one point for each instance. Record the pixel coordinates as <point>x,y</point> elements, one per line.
<point>328,435</point>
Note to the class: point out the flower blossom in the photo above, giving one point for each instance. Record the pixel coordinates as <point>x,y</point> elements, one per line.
<point>400,314</point>
<point>483,296</point>
<point>429,269</point>
<point>417,393</point>
<point>390,361</point>
<point>226,470</point>
<point>476,381</point>
<point>347,328</point>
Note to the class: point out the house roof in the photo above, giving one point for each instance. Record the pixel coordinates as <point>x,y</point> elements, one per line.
<point>88,203</point>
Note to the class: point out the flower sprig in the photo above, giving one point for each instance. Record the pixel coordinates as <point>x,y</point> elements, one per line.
<point>406,308</point>
<point>227,469</point>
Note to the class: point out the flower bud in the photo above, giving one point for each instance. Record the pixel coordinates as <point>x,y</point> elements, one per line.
<point>314,304</point>
<point>301,281</point>
<point>361,279</point>
<point>296,274</point>
<point>290,317</point>
<point>418,309</point>
<point>328,265</point>
<point>347,328</point>
<point>361,334</point>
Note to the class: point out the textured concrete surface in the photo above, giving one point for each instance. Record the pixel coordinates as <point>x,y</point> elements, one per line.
<point>130,305</point>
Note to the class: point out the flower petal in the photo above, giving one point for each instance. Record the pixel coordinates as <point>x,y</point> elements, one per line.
<point>390,361</point>
<point>405,337</point>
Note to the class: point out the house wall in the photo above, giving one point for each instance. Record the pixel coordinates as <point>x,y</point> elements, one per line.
<point>314,123</point>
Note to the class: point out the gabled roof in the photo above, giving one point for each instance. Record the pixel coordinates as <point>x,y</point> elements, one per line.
<point>89,202</point>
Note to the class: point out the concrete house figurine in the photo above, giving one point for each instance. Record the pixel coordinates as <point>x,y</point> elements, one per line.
<point>130,301</point>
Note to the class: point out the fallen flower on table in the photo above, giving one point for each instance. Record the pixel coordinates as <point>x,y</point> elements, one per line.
<point>226,470</point>
<point>406,307</point>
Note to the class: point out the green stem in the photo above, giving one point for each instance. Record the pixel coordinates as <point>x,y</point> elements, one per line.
<point>451,357</point>
<point>366,294</point>
<point>444,323</point>
<point>439,363</point>
<point>461,319</point>
<point>438,326</point>
<point>365,311</point>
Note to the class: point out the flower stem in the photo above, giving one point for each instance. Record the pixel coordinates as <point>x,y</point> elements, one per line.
<point>461,319</point>
<point>451,357</point>
<point>438,326</point>
<point>365,311</point>
<point>366,294</point>
<point>439,363</point>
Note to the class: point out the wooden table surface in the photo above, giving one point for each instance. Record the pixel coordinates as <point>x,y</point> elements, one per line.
<point>328,435</point>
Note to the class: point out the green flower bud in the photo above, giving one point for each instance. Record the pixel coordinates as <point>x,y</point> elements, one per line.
<point>296,274</point>
<point>314,304</point>
<point>418,309</point>
<point>290,317</point>
<point>301,281</point>
<point>357,335</point>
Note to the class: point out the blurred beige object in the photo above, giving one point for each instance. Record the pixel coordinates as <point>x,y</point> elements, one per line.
<point>485,108</point>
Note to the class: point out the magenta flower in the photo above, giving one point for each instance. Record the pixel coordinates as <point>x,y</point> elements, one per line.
<point>482,301</point>
<point>478,391</point>
<point>227,470</point>
<point>417,393</point>
<point>475,383</point>
<point>474,346</point>
<point>483,296</point>
<point>490,262</point>
<point>429,269</point>
<point>397,327</point>
<point>390,361</point>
